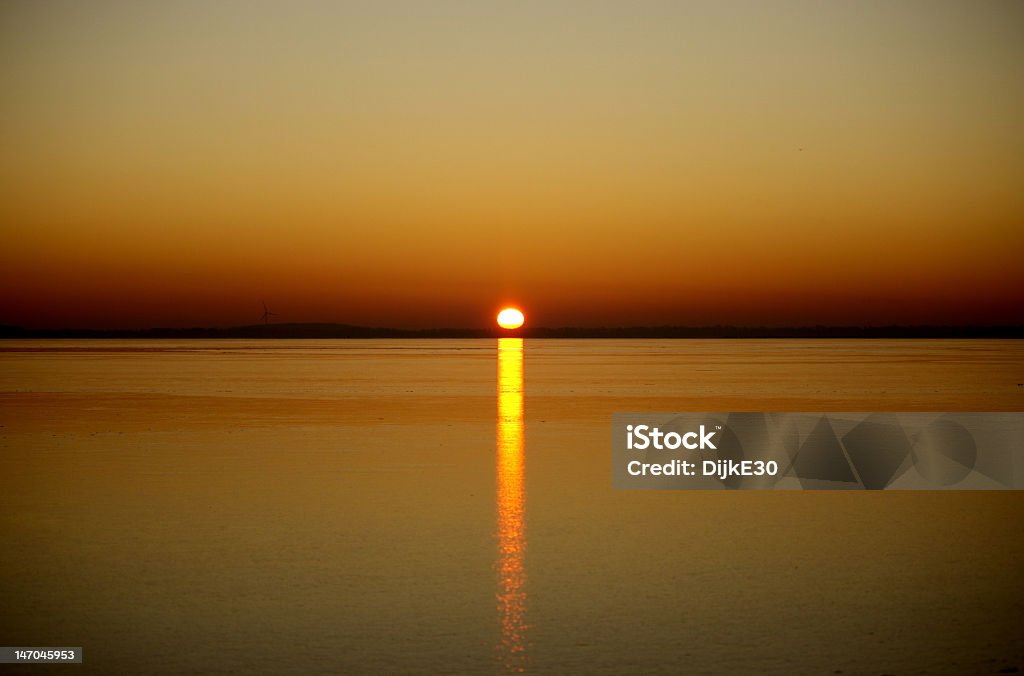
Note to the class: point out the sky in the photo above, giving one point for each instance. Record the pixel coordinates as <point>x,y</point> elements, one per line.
<point>422,164</point>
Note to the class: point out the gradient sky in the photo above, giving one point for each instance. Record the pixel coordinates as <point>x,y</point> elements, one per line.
<point>599,163</point>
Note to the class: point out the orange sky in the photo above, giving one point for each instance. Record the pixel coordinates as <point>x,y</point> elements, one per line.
<point>420,164</point>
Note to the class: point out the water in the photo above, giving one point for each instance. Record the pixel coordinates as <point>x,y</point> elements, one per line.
<point>424,506</point>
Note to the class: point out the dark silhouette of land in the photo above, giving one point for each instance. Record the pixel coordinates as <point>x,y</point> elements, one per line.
<point>323,331</point>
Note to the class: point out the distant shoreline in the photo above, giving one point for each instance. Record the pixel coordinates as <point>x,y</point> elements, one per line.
<point>345,331</point>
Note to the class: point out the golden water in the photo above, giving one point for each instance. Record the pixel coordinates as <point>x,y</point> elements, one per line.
<point>423,506</point>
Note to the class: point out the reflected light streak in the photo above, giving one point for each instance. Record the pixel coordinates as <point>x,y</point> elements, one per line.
<point>511,503</point>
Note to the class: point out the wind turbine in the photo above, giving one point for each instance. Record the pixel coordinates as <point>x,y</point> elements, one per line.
<point>267,314</point>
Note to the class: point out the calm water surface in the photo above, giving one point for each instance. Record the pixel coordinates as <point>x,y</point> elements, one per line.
<point>424,506</point>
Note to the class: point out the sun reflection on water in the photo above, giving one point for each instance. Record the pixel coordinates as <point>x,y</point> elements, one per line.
<point>511,503</point>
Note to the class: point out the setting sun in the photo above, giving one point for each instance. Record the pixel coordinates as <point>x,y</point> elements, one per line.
<point>510,318</point>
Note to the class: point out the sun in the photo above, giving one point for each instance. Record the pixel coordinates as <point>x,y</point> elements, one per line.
<point>510,318</point>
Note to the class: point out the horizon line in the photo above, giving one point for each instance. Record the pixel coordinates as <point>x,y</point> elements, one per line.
<point>302,330</point>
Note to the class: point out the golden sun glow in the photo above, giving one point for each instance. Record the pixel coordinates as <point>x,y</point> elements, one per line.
<point>510,318</point>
